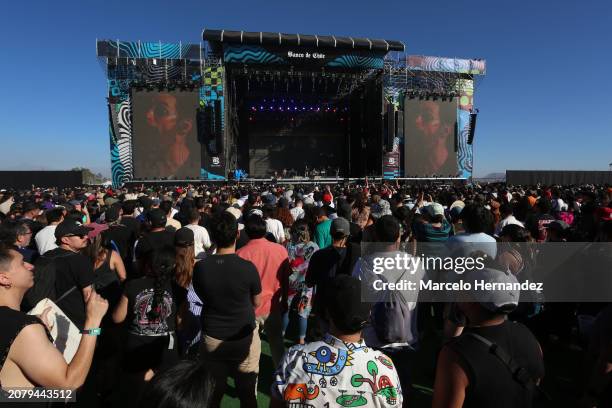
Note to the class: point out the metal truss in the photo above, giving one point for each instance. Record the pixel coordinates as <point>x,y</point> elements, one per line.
<point>399,77</point>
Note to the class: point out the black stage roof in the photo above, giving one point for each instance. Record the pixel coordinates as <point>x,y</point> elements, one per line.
<point>303,40</point>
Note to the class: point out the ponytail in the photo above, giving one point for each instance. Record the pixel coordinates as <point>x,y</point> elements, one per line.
<point>162,269</point>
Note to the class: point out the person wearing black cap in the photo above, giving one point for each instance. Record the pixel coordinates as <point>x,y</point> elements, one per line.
<point>340,368</point>
<point>74,271</point>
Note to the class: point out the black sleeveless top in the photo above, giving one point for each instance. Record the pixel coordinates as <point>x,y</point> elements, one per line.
<point>490,382</point>
<point>107,284</point>
<point>12,322</point>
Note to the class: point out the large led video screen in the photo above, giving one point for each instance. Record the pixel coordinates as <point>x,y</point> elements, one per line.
<point>429,138</point>
<point>164,139</point>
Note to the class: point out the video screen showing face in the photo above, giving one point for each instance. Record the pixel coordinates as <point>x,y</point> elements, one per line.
<point>164,138</point>
<point>429,138</point>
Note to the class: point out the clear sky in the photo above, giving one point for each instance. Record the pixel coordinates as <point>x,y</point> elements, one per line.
<point>546,102</point>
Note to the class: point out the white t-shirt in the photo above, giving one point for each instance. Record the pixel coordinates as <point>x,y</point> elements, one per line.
<point>45,239</point>
<point>297,213</point>
<point>275,227</point>
<point>201,239</point>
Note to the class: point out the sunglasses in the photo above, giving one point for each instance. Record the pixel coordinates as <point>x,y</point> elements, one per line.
<point>77,235</point>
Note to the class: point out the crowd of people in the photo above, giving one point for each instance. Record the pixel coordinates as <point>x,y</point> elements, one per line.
<point>172,290</point>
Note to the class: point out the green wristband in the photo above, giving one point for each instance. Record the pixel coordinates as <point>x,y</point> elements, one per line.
<point>92,332</point>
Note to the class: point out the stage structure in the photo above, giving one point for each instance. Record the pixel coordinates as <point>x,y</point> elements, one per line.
<point>279,105</point>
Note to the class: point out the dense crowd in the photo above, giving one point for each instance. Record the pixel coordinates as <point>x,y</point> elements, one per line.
<point>170,290</point>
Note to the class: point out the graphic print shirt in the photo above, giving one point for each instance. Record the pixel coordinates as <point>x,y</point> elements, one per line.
<point>139,293</point>
<point>299,257</point>
<point>332,373</point>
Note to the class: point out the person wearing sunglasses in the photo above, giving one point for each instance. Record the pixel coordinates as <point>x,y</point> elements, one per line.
<point>74,271</point>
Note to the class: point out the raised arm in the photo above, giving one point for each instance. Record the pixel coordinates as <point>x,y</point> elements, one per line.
<point>44,365</point>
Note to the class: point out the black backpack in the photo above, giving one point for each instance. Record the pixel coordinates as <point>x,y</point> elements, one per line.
<point>45,272</point>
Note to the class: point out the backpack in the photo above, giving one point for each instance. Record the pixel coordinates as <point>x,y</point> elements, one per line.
<point>518,372</point>
<point>391,317</point>
<point>45,272</point>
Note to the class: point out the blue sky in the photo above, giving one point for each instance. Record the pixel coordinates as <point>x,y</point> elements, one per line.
<point>546,102</point>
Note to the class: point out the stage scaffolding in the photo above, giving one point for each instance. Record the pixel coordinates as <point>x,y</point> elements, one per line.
<point>442,77</point>
<point>150,65</point>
